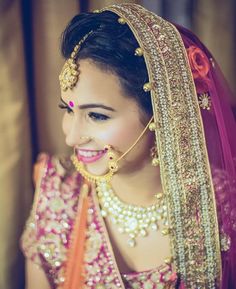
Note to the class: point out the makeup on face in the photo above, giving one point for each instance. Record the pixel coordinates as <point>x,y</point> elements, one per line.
<point>89,156</point>
<point>88,105</point>
<point>105,114</point>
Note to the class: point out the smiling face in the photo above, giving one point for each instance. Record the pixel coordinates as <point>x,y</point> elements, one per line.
<point>99,114</point>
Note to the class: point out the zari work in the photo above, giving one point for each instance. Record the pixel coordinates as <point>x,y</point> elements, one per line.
<point>185,174</point>
<point>47,237</point>
<point>184,164</point>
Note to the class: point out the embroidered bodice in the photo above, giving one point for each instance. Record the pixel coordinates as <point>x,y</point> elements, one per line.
<point>47,235</point>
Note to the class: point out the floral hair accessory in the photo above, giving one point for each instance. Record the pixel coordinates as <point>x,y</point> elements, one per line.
<point>200,66</point>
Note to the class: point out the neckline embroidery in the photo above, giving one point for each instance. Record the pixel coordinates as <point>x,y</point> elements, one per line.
<point>161,274</point>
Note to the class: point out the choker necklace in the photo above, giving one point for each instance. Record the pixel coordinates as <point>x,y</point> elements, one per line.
<point>136,221</point>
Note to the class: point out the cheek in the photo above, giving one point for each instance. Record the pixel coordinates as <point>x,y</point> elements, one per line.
<point>121,135</point>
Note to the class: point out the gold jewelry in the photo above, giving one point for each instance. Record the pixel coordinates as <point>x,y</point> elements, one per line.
<point>112,165</point>
<point>113,157</point>
<point>154,155</point>
<point>147,87</point>
<point>122,20</point>
<point>70,71</point>
<point>132,220</point>
<point>79,166</point>
<point>88,138</point>
<point>152,126</point>
<point>155,162</point>
<point>138,52</point>
<point>153,151</point>
<point>204,100</point>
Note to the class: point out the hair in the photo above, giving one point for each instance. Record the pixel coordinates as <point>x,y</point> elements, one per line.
<point>111,46</point>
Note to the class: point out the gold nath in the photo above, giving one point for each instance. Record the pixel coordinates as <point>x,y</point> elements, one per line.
<point>79,166</point>
<point>113,167</point>
<point>70,71</point>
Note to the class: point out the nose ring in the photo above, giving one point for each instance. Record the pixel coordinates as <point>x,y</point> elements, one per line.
<point>85,138</point>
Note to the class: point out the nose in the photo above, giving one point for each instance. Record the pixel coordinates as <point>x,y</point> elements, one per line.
<point>73,133</point>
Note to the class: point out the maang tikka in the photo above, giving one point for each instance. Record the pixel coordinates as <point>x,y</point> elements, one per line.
<point>68,79</point>
<point>70,71</point>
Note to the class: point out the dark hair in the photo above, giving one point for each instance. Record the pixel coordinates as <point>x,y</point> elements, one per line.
<point>111,46</point>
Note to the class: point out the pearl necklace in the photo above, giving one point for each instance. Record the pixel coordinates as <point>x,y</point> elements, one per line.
<point>132,220</point>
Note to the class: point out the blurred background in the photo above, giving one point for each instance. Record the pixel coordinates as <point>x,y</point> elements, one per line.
<point>30,121</point>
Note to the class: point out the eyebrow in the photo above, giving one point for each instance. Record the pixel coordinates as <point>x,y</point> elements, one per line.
<point>92,105</point>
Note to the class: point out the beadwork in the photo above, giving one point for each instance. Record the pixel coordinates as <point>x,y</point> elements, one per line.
<point>205,101</point>
<point>132,220</point>
<point>184,163</point>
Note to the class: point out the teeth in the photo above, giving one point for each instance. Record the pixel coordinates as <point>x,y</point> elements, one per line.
<point>88,154</point>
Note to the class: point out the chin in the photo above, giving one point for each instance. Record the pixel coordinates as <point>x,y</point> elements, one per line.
<point>95,169</point>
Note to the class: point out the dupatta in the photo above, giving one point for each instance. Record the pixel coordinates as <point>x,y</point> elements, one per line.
<point>196,146</point>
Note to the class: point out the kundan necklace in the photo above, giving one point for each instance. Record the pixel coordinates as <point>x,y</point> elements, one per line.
<point>130,219</point>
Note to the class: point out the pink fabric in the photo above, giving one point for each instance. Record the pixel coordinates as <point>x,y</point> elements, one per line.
<point>48,231</point>
<point>220,134</point>
<point>47,236</point>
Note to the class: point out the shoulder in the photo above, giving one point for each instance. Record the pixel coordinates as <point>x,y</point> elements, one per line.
<point>49,166</point>
<point>55,175</point>
<point>57,187</point>
<point>54,209</point>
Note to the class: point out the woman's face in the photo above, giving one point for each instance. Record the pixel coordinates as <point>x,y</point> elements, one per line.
<point>102,115</point>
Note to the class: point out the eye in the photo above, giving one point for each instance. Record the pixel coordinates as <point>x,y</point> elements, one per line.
<point>63,106</point>
<point>98,116</point>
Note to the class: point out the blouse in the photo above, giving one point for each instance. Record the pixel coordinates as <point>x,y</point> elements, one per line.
<point>47,235</point>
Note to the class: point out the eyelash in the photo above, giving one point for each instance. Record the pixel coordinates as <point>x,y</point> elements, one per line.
<point>93,115</point>
<point>63,106</point>
<point>98,116</point>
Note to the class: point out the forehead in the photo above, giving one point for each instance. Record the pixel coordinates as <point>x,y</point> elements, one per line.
<point>96,85</point>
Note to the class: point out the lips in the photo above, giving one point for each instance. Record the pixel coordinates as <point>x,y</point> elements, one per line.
<point>89,156</point>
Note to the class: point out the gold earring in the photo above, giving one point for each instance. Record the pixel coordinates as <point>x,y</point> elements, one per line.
<point>154,155</point>
<point>112,156</point>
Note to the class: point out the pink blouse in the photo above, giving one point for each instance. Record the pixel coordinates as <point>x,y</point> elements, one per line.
<point>46,238</point>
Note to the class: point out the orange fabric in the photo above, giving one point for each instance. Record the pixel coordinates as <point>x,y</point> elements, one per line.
<point>38,166</point>
<point>74,267</point>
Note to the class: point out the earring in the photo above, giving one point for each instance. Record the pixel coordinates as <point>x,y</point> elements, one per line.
<point>112,156</point>
<point>154,155</point>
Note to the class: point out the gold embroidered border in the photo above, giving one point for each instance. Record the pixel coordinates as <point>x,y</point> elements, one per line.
<point>184,164</point>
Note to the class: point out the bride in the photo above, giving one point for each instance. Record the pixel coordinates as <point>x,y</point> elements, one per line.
<point>142,203</point>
